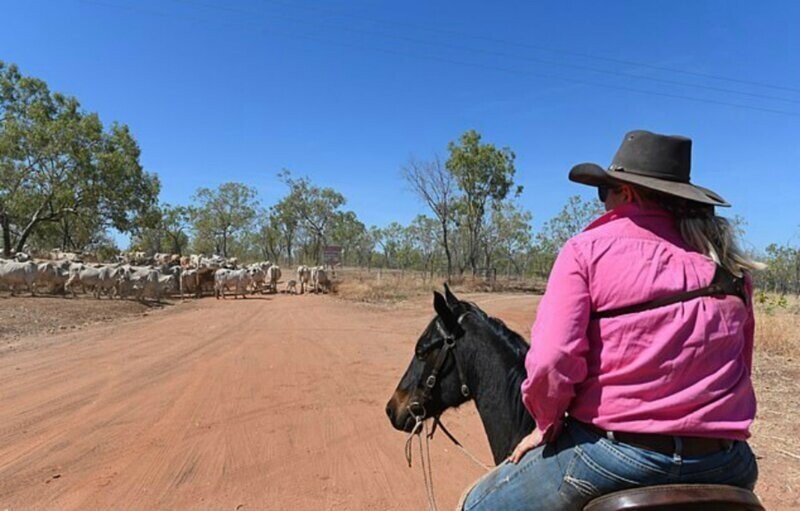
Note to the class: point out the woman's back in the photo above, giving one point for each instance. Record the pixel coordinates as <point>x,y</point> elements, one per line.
<point>682,368</point>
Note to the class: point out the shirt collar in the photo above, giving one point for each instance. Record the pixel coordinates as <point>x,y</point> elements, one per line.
<point>629,210</point>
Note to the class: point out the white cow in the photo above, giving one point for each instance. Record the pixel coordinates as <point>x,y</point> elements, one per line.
<point>225,279</point>
<point>303,277</point>
<point>152,284</point>
<point>189,282</point>
<point>273,276</point>
<point>103,279</point>
<point>52,275</point>
<point>320,279</point>
<point>132,278</point>
<point>258,275</point>
<point>14,274</point>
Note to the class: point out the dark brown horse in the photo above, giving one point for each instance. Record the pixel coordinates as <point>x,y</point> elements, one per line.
<point>471,356</point>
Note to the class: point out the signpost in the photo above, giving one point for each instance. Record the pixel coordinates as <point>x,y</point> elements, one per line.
<point>332,255</point>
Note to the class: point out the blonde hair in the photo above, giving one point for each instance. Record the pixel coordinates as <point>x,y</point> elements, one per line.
<point>702,229</point>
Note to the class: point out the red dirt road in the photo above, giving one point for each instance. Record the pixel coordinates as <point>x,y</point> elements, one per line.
<point>273,403</point>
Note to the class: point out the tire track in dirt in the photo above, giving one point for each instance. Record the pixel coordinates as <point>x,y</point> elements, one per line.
<point>263,404</point>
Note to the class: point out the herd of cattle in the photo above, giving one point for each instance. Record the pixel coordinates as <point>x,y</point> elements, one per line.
<point>136,275</point>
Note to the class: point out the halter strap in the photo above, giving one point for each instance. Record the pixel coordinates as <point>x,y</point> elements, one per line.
<point>448,346</point>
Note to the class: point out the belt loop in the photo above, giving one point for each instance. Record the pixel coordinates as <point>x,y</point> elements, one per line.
<point>610,436</point>
<point>676,456</point>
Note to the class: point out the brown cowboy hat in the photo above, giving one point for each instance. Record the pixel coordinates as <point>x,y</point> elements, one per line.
<point>657,162</point>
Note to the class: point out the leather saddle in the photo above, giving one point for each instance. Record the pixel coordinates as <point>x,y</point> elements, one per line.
<point>678,497</point>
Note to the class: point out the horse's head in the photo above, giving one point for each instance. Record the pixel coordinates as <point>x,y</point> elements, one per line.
<point>435,379</point>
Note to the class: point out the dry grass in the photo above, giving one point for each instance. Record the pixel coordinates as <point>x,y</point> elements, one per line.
<point>381,286</point>
<point>777,325</point>
<point>777,318</point>
<point>775,430</point>
<point>392,286</point>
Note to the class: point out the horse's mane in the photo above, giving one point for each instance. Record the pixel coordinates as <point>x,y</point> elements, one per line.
<point>508,337</point>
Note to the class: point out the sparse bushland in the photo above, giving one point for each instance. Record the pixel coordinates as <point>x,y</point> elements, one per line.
<point>393,286</point>
<point>777,324</point>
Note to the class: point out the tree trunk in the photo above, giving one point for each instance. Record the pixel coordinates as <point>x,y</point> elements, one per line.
<point>65,235</point>
<point>447,252</point>
<point>23,237</point>
<point>5,225</point>
<point>474,234</point>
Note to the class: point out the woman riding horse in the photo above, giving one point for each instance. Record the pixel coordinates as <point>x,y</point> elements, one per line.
<point>639,370</point>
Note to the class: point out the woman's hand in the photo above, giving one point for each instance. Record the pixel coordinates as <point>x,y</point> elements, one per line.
<point>528,443</point>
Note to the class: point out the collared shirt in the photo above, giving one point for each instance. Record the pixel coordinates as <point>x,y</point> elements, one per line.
<point>681,369</point>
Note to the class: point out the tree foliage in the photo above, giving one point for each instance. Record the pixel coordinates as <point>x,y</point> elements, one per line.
<point>783,269</point>
<point>484,174</point>
<point>435,185</point>
<point>572,219</point>
<point>223,216</point>
<point>314,207</point>
<point>60,165</point>
<point>169,233</point>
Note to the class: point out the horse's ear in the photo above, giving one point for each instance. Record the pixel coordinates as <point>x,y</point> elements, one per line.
<point>444,311</point>
<point>450,297</point>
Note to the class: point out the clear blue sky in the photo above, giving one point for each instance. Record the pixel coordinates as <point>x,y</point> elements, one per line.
<point>345,92</point>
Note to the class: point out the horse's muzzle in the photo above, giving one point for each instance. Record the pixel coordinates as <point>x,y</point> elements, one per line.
<point>398,413</point>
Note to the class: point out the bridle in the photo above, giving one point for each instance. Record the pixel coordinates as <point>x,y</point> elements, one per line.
<point>448,347</point>
<point>417,409</point>
<point>419,415</point>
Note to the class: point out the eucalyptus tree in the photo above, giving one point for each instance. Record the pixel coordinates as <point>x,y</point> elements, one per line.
<point>59,164</point>
<point>572,219</point>
<point>423,234</point>
<point>348,232</point>
<point>507,236</point>
<point>484,174</point>
<point>223,216</point>
<point>316,207</point>
<point>435,185</point>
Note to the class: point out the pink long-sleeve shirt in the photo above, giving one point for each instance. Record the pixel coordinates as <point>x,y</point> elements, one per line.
<point>682,369</point>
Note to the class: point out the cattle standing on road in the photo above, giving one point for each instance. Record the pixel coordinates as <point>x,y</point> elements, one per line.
<point>52,275</point>
<point>303,277</point>
<point>320,279</point>
<point>273,276</point>
<point>225,279</point>
<point>258,273</point>
<point>14,274</point>
<point>103,279</point>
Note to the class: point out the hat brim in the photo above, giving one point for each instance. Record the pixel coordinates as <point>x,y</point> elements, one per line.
<point>594,175</point>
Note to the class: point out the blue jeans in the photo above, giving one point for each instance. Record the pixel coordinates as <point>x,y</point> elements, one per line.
<point>581,465</point>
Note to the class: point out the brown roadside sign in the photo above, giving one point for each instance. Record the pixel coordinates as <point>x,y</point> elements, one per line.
<point>332,254</point>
